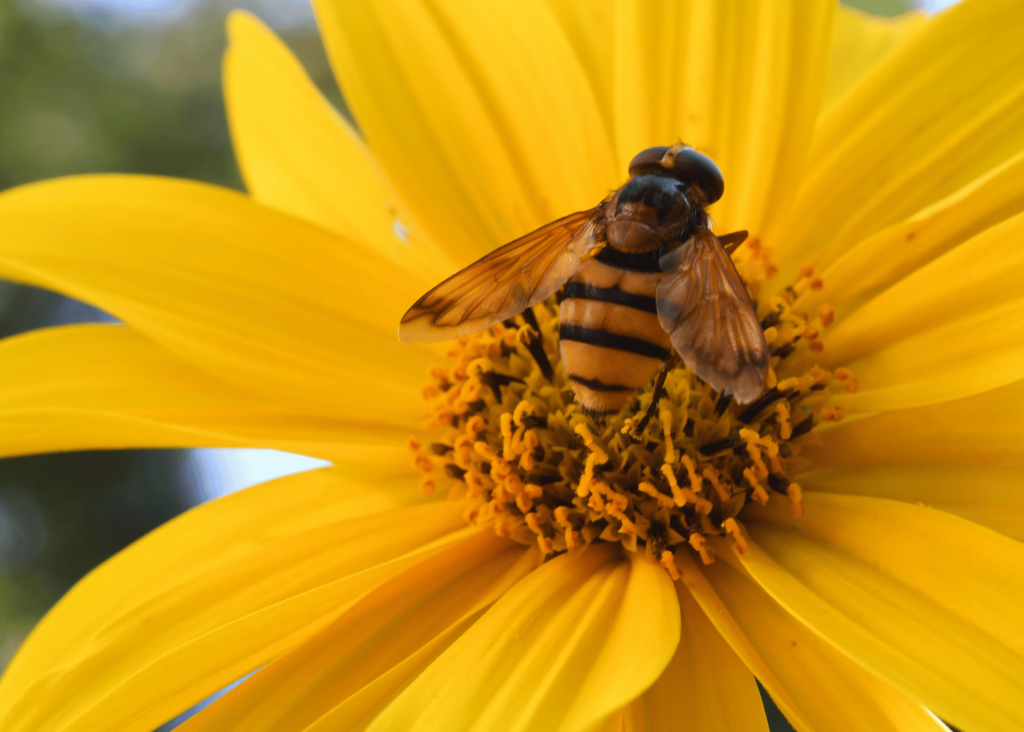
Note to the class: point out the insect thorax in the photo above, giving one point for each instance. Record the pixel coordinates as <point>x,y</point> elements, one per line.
<point>650,210</point>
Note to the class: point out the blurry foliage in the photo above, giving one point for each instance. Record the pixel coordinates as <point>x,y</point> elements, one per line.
<point>100,96</point>
<point>61,515</point>
<point>82,99</point>
<point>882,7</point>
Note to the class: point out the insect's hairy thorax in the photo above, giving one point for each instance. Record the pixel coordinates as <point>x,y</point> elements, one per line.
<point>650,211</point>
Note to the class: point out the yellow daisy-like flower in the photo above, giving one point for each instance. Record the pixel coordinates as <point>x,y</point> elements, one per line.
<point>561,575</point>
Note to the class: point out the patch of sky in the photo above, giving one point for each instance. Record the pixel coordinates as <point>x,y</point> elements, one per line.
<point>934,6</point>
<point>185,716</point>
<point>278,13</point>
<point>217,472</point>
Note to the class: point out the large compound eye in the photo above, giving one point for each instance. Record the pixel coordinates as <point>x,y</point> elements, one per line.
<point>686,164</point>
<point>650,156</point>
<point>690,164</point>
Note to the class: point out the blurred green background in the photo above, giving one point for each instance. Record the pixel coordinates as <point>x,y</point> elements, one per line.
<point>119,86</point>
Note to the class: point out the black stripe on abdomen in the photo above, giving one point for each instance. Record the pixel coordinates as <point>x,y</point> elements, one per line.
<point>643,262</point>
<point>596,337</point>
<point>598,385</point>
<point>614,295</point>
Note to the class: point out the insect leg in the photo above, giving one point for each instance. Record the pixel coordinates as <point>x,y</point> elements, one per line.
<point>731,242</point>
<point>657,393</point>
<point>536,345</point>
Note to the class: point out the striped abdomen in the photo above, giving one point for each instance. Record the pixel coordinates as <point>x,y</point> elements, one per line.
<point>610,338</point>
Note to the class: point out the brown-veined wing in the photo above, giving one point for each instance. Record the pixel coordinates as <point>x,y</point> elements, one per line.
<point>704,307</point>
<point>505,282</point>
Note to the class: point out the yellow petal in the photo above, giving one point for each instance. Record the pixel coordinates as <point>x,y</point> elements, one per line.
<point>101,386</point>
<point>859,41</point>
<point>832,691</point>
<point>951,329</point>
<point>298,155</point>
<point>384,628</point>
<point>358,710</point>
<point>883,259</point>
<point>209,597</point>
<point>962,457</point>
<point>255,297</point>
<point>987,495</point>
<point>763,650</point>
<point>741,81</point>
<point>981,273</point>
<point>980,430</point>
<point>968,356</point>
<point>720,616</point>
<point>480,112</point>
<point>589,25</point>
<point>705,688</point>
<point>573,641</point>
<point>939,111</point>
<point>925,600</point>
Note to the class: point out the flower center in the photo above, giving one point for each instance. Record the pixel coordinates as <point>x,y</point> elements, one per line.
<point>673,468</point>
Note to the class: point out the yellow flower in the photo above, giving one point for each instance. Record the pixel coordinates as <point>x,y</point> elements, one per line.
<point>882,175</point>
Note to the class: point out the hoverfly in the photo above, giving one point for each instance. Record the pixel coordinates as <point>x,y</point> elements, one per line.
<point>643,274</point>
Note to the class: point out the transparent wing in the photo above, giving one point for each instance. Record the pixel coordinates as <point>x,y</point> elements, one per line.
<point>505,282</point>
<point>704,307</point>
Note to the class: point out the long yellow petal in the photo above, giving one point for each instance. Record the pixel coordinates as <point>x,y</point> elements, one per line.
<point>963,457</point>
<point>299,155</point>
<point>589,25</point>
<point>861,40</point>
<point>697,583</point>
<point>741,81</point>
<point>255,297</point>
<point>832,691</point>
<point>705,688</point>
<point>480,112</point>
<point>987,495</point>
<point>160,627</point>
<point>925,600</point>
<point>755,645</point>
<point>201,540</point>
<point>938,112</point>
<point>380,631</point>
<point>573,641</point>
<point>105,386</point>
<point>951,329</point>
<point>968,356</point>
<point>883,259</point>
<point>358,710</point>
<point>984,429</point>
<point>979,274</point>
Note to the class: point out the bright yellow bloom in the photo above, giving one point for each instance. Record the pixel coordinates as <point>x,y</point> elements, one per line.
<point>882,174</point>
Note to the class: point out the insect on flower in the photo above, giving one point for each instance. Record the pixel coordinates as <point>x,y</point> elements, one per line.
<point>643,275</point>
